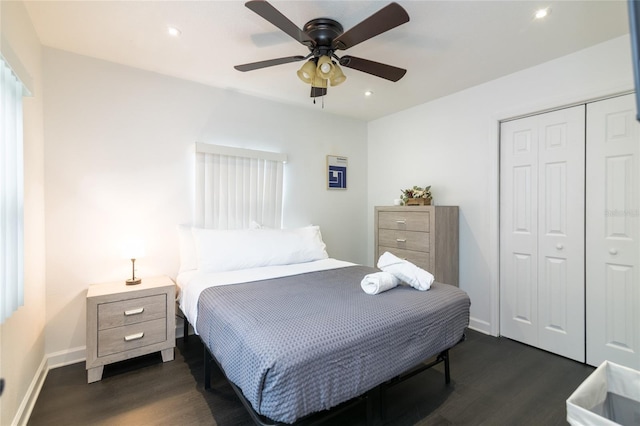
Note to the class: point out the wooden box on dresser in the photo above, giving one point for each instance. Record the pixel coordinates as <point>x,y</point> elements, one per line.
<point>126,321</point>
<point>424,235</point>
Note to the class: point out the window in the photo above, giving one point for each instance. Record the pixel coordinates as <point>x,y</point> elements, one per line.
<point>11,192</point>
<point>236,186</point>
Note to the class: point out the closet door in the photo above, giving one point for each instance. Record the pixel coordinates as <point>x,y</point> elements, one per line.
<point>542,231</point>
<point>613,232</point>
<point>561,232</point>
<point>519,230</point>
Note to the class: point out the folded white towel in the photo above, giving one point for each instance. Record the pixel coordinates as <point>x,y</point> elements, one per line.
<point>406,271</point>
<point>378,282</point>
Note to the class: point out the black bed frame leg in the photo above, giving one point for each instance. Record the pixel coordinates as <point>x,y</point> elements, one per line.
<point>374,406</point>
<point>185,332</point>
<point>447,373</point>
<point>208,359</point>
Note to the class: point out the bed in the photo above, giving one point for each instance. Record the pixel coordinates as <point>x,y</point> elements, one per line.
<point>302,337</point>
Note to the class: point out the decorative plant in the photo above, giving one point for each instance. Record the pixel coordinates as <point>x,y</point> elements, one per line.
<point>416,192</point>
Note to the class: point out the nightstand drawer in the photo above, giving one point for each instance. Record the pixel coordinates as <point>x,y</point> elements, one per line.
<point>407,240</point>
<point>117,314</point>
<point>132,336</point>
<point>404,221</point>
<point>418,258</point>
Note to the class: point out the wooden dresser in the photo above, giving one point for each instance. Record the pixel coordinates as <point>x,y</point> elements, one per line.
<point>126,321</point>
<point>424,235</point>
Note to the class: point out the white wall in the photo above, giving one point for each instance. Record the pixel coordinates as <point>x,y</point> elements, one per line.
<point>452,144</point>
<point>22,335</point>
<point>119,162</point>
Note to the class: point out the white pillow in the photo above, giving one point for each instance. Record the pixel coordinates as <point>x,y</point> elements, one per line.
<point>228,250</point>
<point>187,245</point>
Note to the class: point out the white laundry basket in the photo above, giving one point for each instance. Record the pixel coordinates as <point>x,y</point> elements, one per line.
<point>609,396</point>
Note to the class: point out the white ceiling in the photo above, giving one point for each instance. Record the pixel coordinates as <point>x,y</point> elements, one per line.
<point>447,46</point>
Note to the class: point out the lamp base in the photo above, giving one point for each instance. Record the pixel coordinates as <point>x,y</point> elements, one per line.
<point>134,281</point>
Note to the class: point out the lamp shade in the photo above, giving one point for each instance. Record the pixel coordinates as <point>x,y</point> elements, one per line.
<point>325,67</point>
<point>338,77</point>
<point>307,72</point>
<point>133,248</point>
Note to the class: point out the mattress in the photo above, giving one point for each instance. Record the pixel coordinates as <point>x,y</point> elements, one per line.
<point>304,343</point>
<point>192,283</point>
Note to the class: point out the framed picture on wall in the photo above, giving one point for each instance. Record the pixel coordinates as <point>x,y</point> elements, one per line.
<point>336,172</point>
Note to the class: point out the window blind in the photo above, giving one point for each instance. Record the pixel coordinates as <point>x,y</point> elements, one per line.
<point>237,186</point>
<point>11,193</point>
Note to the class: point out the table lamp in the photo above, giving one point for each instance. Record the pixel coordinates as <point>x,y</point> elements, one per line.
<point>133,249</point>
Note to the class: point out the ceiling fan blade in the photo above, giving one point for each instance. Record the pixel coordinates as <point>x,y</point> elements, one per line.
<point>374,68</point>
<point>269,63</point>
<point>271,14</point>
<point>383,20</point>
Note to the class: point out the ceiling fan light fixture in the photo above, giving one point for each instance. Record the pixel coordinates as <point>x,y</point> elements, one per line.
<point>338,76</point>
<point>319,82</point>
<point>307,72</point>
<point>325,67</point>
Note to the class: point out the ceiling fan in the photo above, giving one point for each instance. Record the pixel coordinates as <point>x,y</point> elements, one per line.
<point>323,37</point>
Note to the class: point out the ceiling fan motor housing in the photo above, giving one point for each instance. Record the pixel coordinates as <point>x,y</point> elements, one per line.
<point>323,31</point>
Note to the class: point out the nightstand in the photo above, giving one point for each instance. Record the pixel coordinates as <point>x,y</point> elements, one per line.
<point>126,321</point>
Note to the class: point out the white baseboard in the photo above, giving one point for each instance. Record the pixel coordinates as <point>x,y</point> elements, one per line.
<point>29,401</point>
<point>66,357</point>
<point>480,325</point>
<point>179,327</point>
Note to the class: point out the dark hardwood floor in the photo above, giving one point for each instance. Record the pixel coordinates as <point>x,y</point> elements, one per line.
<point>494,381</point>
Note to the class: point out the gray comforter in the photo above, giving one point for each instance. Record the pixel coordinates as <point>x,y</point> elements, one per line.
<point>300,344</point>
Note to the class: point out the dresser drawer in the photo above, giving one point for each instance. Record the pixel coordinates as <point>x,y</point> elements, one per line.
<point>418,258</point>
<point>131,336</point>
<point>132,311</point>
<point>404,221</point>
<point>407,240</point>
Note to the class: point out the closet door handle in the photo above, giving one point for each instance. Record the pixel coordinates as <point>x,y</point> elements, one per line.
<point>613,251</point>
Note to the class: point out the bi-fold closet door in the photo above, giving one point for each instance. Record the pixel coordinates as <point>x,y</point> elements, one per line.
<point>613,232</point>
<point>555,214</point>
<point>542,231</point>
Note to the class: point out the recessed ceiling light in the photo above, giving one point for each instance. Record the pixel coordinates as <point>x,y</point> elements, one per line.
<point>368,93</point>
<point>541,13</point>
<point>173,31</point>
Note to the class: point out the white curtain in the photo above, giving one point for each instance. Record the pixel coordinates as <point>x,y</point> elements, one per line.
<point>235,187</point>
<point>11,193</point>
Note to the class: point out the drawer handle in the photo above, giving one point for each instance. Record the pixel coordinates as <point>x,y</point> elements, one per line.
<point>401,221</point>
<point>401,240</point>
<point>133,312</point>
<point>135,336</point>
